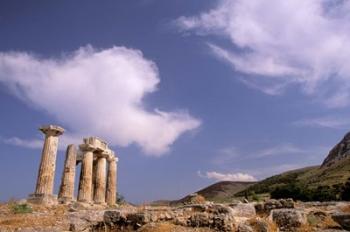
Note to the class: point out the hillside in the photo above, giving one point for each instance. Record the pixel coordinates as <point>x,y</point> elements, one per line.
<point>224,190</point>
<point>268,184</point>
<point>312,177</point>
<point>334,171</point>
<point>219,192</point>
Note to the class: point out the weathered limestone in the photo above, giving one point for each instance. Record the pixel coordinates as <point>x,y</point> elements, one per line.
<point>45,181</point>
<point>100,181</point>
<point>94,170</point>
<point>111,194</point>
<point>66,193</point>
<point>85,184</point>
<point>95,186</point>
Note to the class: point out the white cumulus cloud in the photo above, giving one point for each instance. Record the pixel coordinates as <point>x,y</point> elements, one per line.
<point>217,176</point>
<point>282,43</point>
<point>96,92</point>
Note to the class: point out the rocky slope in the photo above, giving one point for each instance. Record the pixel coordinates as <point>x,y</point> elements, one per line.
<point>269,216</point>
<point>339,152</point>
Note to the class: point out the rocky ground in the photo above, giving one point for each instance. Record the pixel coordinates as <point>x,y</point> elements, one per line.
<point>271,215</point>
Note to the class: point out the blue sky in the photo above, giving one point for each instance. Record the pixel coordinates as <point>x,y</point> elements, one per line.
<point>186,92</point>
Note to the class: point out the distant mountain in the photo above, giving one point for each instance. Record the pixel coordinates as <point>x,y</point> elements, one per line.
<point>219,192</point>
<point>223,190</point>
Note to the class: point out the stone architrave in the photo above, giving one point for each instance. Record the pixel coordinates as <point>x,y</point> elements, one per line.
<point>85,183</point>
<point>46,175</point>
<point>111,193</point>
<point>66,193</point>
<point>100,181</point>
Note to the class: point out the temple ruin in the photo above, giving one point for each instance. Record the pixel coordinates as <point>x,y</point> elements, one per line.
<point>98,175</point>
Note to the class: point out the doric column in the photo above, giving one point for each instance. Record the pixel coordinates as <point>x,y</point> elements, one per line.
<point>94,170</point>
<point>45,181</point>
<point>66,193</point>
<point>111,194</point>
<point>85,183</point>
<point>100,181</point>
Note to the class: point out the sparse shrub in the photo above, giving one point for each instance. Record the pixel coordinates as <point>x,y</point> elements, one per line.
<point>120,199</point>
<point>255,197</point>
<point>197,199</point>
<point>21,208</point>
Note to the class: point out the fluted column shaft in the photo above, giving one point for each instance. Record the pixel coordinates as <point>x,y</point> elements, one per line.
<point>46,175</point>
<point>111,194</point>
<point>100,184</point>
<point>85,183</point>
<point>66,192</point>
<point>94,170</point>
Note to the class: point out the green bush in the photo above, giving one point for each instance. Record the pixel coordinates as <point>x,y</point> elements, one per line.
<point>120,199</point>
<point>21,208</point>
<point>303,193</point>
<point>255,197</point>
<point>345,191</point>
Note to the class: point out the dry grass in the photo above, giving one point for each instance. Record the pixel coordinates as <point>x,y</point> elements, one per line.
<point>198,199</point>
<point>272,227</point>
<point>321,221</point>
<point>306,228</point>
<point>345,209</point>
<point>41,216</point>
<point>168,227</point>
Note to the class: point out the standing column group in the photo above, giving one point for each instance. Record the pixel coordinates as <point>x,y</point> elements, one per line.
<point>96,186</point>
<point>98,178</point>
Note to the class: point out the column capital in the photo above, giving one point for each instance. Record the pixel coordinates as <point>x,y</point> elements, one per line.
<point>104,154</point>
<point>112,159</point>
<point>86,147</point>
<point>52,130</point>
<point>98,143</point>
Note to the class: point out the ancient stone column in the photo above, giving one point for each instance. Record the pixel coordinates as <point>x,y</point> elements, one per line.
<point>94,170</point>
<point>85,183</point>
<point>45,181</point>
<point>111,194</point>
<point>66,193</point>
<point>100,183</point>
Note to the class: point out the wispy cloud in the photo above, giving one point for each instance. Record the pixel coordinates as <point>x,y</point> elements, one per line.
<point>311,51</point>
<point>327,122</point>
<point>217,176</point>
<point>64,141</point>
<point>264,172</point>
<point>282,149</point>
<point>97,92</point>
<point>233,154</point>
<point>30,143</point>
